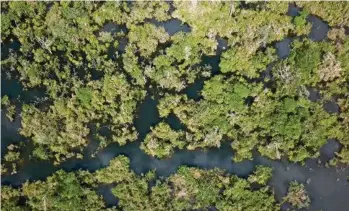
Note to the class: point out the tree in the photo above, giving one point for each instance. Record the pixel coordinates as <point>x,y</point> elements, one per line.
<point>62,191</point>
<point>297,196</point>
<point>162,140</point>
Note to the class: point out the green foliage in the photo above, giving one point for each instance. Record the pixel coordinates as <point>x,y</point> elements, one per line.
<point>213,117</point>
<point>201,187</point>
<point>297,196</point>
<point>140,11</point>
<point>62,191</point>
<point>116,172</point>
<point>245,63</point>
<point>5,101</point>
<point>294,126</point>
<point>193,188</point>
<point>302,68</point>
<point>147,37</point>
<point>238,196</point>
<point>162,140</point>
<point>133,195</point>
<point>91,82</point>
<point>206,19</point>
<point>131,66</point>
<point>179,65</point>
<point>10,198</point>
<point>335,13</point>
<point>45,129</point>
<point>343,155</point>
<point>261,175</point>
<point>85,96</point>
<point>302,26</point>
<point>11,159</point>
<point>9,107</point>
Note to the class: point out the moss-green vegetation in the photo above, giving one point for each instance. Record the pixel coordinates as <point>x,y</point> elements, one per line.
<point>188,188</point>
<point>11,160</point>
<point>161,141</point>
<point>97,61</point>
<point>8,107</point>
<point>92,83</point>
<point>335,13</point>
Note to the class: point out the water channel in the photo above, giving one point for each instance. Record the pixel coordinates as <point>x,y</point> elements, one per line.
<point>327,186</point>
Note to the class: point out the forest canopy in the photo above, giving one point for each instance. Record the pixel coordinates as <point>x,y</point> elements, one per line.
<point>89,68</point>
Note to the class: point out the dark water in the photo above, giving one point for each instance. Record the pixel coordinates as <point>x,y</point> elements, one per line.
<point>193,91</point>
<point>148,116</point>
<point>283,48</point>
<point>327,187</point>
<point>319,28</point>
<point>15,91</point>
<point>293,10</point>
<point>174,122</point>
<point>172,26</point>
<point>314,94</point>
<point>331,107</point>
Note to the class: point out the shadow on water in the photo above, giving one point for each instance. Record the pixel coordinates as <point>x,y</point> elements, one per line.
<point>328,151</point>
<point>193,90</point>
<point>319,27</point>
<point>116,30</point>
<point>327,187</point>
<point>9,130</point>
<point>174,122</point>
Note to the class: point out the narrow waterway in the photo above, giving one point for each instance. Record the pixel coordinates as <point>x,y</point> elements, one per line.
<point>327,186</point>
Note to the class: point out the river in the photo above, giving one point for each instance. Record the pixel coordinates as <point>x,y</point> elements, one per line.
<point>327,186</point>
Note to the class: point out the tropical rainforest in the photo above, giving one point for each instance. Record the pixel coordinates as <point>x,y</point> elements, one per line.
<point>87,67</point>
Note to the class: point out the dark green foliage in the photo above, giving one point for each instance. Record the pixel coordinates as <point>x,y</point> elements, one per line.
<point>302,26</point>
<point>85,96</point>
<point>62,191</point>
<point>336,13</point>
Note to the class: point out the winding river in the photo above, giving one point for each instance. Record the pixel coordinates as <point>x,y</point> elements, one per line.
<point>327,186</point>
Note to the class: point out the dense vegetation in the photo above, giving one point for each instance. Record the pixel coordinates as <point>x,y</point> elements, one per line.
<point>189,188</point>
<point>96,62</point>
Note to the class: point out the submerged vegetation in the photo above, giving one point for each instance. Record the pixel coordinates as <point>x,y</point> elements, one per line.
<point>96,62</point>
